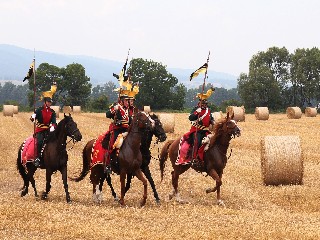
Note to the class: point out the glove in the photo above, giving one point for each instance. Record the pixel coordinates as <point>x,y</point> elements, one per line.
<point>33,116</point>
<point>116,107</point>
<point>51,128</point>
<point>198,110</point>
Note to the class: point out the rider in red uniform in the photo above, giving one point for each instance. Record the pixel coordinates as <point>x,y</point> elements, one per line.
<point>45,118</point>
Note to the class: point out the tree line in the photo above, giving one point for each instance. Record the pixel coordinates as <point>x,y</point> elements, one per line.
<point>157,88</point>
<point>278,79</point>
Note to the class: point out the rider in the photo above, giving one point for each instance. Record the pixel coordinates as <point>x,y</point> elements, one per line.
<point>45,121</point>
<point>200,118</point>
<point>120,115</point>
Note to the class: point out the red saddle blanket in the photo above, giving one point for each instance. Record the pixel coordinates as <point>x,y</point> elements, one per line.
<point>98,152</point>
<point>29,150</point>
<point>185,151</point>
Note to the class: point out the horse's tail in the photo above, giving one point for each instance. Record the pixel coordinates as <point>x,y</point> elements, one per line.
<point>20,167</point>
<point>86,162</point>
<point>164,156</point>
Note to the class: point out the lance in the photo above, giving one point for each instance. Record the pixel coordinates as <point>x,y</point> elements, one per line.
<point>34,102</point>
<point>195,140</point>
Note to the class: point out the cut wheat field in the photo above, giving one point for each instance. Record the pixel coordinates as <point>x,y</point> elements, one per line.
<point>252,211</point>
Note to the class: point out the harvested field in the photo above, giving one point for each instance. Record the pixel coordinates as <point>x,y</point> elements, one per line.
<point>253,210</point>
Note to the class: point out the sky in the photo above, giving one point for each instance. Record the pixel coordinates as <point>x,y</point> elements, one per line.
<point>177,33</point>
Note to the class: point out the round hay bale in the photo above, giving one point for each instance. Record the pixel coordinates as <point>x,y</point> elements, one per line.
<point>239,112</point>
<point>261,113</point>
<point>15,109</point>
<point>146,109</point>
<point>294,112</point>
<point>57,110</point>
<point>8,110</point>
<point>310,112</point>
<point>217,115</point>
<point>281,160</point>
<point>168,122</point>
<point>76,109</point>
<point>66,109</point>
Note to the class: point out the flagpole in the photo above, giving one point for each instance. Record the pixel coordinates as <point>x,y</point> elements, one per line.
<point>34,102</point>
<point>195,140</point>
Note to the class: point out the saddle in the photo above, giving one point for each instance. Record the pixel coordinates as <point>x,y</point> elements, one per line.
<point>29,150</point>
<point>186,148</point>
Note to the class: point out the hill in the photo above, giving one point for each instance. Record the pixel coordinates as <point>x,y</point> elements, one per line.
<point>15,61</point>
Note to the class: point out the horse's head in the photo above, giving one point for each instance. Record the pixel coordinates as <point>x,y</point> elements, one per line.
<point>157,128</point>
<point>71,128</point>
<point>142,121</point>
<point>231,127</point>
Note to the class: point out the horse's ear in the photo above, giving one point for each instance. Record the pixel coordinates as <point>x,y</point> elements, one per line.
<point>227,115</point>
<point>64,114</point>
<point>69,114</point>
<point>232,116</point>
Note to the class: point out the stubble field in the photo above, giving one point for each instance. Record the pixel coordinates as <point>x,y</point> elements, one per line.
<point>253,210</point>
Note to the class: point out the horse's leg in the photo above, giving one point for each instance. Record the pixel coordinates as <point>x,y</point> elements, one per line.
<point>123,175</point>
<point>48,184</point>
<point>147,173</point>
<point>95,177</point>
<point>142,178</point>
<point>33,182</point>
<point>26,180</point>
<point>177,171</point>
<point>129,177</point>
<point>217,177</point>
<point>64,173</point>
<point>108,179</point>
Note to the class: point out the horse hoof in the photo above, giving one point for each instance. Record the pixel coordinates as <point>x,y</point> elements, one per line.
<point>69,201</point>
<point>171,196</point>
<point>210,190</point>
<point>116,199</point>
<point>143,202</point>
<point>158,202</point>
<point>23,193</point>
<point>44,196</point>
<point>220,203</point>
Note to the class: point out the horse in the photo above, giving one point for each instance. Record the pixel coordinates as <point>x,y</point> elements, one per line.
<point>55,157</point>
<point>215,158</point>
<point>128,162</point>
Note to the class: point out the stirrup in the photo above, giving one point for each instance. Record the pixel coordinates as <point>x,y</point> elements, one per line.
<point>36,162</point>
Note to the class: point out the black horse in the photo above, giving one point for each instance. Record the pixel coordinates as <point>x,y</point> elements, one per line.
<point>156,130</point>
<point>55,157</point>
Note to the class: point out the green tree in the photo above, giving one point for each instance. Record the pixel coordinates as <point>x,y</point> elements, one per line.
<point>157,85</point>
<point>75,85</point>
<point>46,74</point>
<point>99,104</point>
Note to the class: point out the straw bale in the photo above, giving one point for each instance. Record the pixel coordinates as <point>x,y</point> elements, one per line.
<point>239,112</point>
<point>8,110</point>
<point>66,109</point>
<point>281,160</point>
<point>15,109</point>
<point>146,109</point>
<point>168,122</point>
<point>261,113</point>
<point>294,112</point>
<point>310,112</point>
<point>217,115</point>
<point>57,110</point>
<point>76,109</point>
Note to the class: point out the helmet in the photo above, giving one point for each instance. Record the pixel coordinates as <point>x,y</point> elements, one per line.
<point>47,99</point>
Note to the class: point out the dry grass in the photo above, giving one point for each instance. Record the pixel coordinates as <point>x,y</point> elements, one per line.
<point>253,211</point>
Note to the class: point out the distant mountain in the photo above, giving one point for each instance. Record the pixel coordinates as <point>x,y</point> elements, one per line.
<point>15,61</point>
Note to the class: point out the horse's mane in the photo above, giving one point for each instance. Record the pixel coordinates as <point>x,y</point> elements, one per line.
<point>216,130</point>
<point>53,135</point>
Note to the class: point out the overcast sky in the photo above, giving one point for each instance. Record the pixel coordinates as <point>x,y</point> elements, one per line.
<point>177,33</point>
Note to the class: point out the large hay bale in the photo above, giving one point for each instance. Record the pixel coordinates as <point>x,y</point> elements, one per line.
<point>57,110</point>
<point>76,109</point>
<point>146,109</point>
<point>15,109</point>
<point>8,110</point>
<point>67,109</point>
<point>239,112</point>
<point>281,160</point>
<point>261,113</point>
<point>217,115</point>
<point>168,122</point>
<point>294,112</point>
<point>310,112</point>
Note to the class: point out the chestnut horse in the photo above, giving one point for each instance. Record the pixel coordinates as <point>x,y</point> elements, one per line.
<point>98,176</point>
<point>128,161</point>
<point>55,157</point>
<point>215,158</point>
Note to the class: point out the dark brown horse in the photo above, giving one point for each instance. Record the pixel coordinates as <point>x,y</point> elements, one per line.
<point>215,158</point>
<point>55,157</point>
<point>128,162</point>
